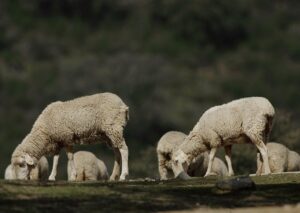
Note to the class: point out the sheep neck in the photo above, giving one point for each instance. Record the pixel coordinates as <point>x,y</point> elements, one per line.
<point>193,147</point>
<point>34,144</point>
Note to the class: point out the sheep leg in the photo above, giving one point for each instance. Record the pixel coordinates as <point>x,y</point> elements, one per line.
<point>54,168</point>
<point>163,171</point>
<point>124,157</point>
<point>258,133</point>
<point>117,165</point>
<point>121,153</point>
<point>212,155</point>
<point>264,153</point>
<point>259,163</point>
<point>228,159</point>
<point>259,143</point>
<point>70,155</point>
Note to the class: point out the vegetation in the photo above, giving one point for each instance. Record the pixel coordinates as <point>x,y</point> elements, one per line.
<point>168,59</point>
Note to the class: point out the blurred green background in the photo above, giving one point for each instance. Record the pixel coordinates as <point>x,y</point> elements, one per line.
<point>169,60</point>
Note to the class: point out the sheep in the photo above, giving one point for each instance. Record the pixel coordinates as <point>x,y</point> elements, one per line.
<point>199,165</point>
<point>40,172</point>
<point>86,120</point>
<point>165,149</point>
<point>246,120</point>
<point>281,159</point>
<point>88,167</point>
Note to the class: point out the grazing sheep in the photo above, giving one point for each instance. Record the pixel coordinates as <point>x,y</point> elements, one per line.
<point>165,149</point>
<point>88,167</point>
<point>247,120</point>
<point>39,172</point>
<point>281,159</point>
<point>86,120</point>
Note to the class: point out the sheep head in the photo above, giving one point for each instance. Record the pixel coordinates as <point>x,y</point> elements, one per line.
<point>179,162</point>
<point>22,166</point>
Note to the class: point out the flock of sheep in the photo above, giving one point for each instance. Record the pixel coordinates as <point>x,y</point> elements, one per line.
<point>102,118</point>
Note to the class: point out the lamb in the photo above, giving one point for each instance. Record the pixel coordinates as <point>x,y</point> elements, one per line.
<point>281,159</point>
<point>165,149</point>
<point>199,165</point>
<point>246,120</point>
<point>86,120</point>
<point>40,172</point>
<point>88,167</point>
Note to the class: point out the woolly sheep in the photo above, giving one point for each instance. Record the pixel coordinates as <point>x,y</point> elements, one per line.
<point>40,172</point>
<point>88,167</point>
<point>165,149</point>
<point>246,120</point>
<point>86,120</point>
<point>199,165</point>
<point>281,159</point>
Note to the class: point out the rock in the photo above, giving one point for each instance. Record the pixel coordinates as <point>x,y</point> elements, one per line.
<point>235,184</point>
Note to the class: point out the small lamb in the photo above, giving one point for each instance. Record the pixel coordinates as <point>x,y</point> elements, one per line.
<point>40,172</point>
<point>165,149</point>
<point>88,167</point>
<point>199,166</point>
<point>281,159</point>
<point>86,120</point>
<point>246,120</point>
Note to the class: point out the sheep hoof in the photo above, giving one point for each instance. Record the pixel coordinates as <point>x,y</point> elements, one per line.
<point>163,178</point>
<point>51,178</point>
<point>114,177</point>
<point>264,174</point>
<point>210,174</point>
<point>183,176</point>
<point>231,174</point>
<point>124,177</point>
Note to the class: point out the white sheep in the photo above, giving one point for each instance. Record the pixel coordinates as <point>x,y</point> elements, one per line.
<point>247,120</point>
<point>281,159</point>
<point>199,165</point>
<point>85,120</point>
<point>88,167</point>
<point>40,172</point>
<point>167,145</point>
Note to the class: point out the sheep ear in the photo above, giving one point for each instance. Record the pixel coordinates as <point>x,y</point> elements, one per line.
<point>29,160</point>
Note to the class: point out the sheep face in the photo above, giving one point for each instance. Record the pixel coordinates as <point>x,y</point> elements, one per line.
<point>179,162</point>
<point>22,166</point>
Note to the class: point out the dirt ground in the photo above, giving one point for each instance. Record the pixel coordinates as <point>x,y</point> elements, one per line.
<point>273,193</point>
<point>274,209</point>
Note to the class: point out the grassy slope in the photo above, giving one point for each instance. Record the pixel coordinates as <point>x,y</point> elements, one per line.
<point>143,196</point>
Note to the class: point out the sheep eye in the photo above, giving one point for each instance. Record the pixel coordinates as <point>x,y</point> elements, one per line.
<point>21,165</point>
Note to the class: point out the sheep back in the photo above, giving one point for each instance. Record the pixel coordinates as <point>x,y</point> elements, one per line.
<point>88,167</point>
<point>83,120</point>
